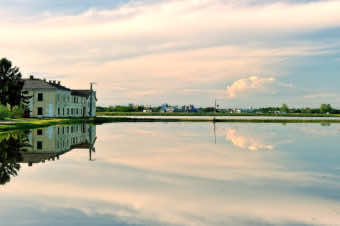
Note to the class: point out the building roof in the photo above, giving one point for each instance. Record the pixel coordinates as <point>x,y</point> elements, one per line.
<point>81,92</point>
<point>33,83</point>
<point>37,157</point>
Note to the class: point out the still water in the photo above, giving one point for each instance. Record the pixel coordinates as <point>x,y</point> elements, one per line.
<point>171,174</point>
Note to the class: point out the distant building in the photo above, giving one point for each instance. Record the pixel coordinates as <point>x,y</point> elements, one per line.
<point>51,99</point>
<point>189,108</point>
<point>167,108</point>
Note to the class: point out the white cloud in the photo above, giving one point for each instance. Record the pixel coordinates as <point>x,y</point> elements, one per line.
<point>248,85</point>
<point>164,45</point>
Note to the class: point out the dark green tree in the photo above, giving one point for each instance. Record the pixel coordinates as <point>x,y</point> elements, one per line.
<point>11,84</point>
<point>12,145</point>
<point>9,157</point>
<point>284,108</point>
<point>326,108</point>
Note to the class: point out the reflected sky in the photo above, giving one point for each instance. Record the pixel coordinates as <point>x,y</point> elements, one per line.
<point>181,174</point>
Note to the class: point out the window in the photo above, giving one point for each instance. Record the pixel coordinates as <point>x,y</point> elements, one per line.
<point>68,111</point>
<point>63,111</point>
<point>58,130</point>
<point>71,111</point>
<point>39,145</point>
<point>40,111</point>
<point>39,132</point>
<point>58,111</point>
<point>77,111</point>
<point>40,97</point>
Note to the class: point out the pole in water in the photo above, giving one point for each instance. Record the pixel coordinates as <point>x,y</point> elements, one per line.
<point>214,131</point>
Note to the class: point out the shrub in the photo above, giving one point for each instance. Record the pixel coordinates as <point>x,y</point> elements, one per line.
<point>4,112</point>
<point>17,112</point>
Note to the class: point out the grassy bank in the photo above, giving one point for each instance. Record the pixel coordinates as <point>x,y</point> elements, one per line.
<point>17,124</point>
<point>39,123</point>
<point>211,114</point>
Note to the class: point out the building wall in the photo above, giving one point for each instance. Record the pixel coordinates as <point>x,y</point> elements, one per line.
<point>58,139</point>
<point>68,105</point>
<point>63,99</point>
<point>47,104</point>
<point>93,105</point>
<point>60,103</point>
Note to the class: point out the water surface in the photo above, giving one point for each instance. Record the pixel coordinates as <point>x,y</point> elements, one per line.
<point>227,117</point>
<point>171,174</point>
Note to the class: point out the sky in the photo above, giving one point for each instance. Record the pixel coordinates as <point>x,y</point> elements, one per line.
<point>240,52</point>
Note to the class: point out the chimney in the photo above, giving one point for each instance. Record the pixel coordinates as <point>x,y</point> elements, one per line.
<point>59,83</point>
<point>31,77</point>
<point>54,81</point>
<point>44,79</point>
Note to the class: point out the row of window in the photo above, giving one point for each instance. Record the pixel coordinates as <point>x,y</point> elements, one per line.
<point>75,99</point>
<point>73,128</point>
<point>63,144</point>
<point>67,129</point>
<point>74,140</point>
<point>73,111</point>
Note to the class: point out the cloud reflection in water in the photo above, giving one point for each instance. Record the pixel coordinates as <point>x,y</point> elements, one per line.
<point>157,177</point>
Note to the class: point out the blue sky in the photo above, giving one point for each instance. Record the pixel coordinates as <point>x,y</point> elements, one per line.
<point>243,53</point>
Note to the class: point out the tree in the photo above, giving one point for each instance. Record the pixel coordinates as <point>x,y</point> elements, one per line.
<point>11,84</point>
<point>11,147</point>
<point>284,108</point>
<point>325,108</point>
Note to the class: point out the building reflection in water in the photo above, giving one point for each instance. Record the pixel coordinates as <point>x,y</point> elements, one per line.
<point>41,145</point>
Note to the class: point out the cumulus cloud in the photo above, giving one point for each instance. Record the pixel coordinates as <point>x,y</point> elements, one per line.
<point>248,85</point>
<point>152,45</point>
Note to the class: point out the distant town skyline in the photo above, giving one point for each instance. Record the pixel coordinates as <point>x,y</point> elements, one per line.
<point>243,53</point>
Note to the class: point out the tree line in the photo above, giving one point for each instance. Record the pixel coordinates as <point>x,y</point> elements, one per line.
<point>323,109</point>
<point>284,109</point>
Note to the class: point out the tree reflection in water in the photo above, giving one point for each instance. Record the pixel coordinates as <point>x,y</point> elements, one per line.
<point>11,146</point>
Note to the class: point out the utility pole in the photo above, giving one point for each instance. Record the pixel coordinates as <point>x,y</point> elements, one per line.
<point>91,97</point>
